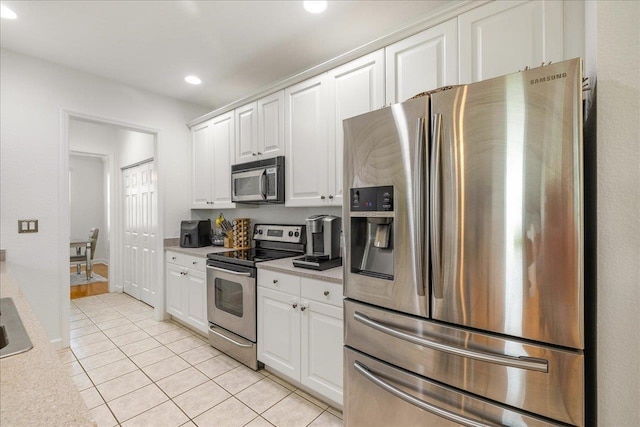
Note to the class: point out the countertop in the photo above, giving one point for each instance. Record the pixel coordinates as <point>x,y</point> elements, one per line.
<point>35,388</point>
<point>199,252</point>
<point>285,265</point>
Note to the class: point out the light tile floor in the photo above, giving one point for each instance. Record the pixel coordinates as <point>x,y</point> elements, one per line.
<point>132,370</point>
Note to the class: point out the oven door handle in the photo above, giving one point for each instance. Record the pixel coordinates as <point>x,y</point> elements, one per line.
<point>239,344</point>
<point>237,273</point>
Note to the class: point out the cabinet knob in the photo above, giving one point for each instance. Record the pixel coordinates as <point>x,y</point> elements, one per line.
<point>275,281</point>
<point>253,154</point>
<point>330,196</point>
<point>294,305</point>
<point>195,262</point>
<point>173,258</point>
<point>303,308</point>
<point>259,153</point>
<point>322,197</point>
<point>326,293</point>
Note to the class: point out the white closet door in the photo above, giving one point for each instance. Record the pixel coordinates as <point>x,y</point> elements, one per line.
<point>141,227</point>
<point>130,179</point>
<point>148,233</point>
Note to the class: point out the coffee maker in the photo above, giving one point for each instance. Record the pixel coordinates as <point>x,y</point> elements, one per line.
<point>323,243</point>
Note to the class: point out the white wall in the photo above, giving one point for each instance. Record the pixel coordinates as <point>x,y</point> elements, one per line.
<point>618,236</point>
<point>33,94</point>
<point>87,201</point>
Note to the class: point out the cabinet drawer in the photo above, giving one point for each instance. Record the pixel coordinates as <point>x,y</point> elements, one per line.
<point>319,290</point>
<point>279,281</point>
<point>187,261</point>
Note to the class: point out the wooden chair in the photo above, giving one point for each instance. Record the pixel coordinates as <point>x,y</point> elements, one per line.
<point>81,257</point>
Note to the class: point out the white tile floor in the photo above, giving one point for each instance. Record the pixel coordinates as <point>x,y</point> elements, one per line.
<point>134,371</point>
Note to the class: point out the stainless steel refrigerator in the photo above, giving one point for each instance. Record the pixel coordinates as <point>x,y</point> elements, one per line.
<point>464,256</point>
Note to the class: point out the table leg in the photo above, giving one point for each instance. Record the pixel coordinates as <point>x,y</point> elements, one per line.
<point>88,262</point>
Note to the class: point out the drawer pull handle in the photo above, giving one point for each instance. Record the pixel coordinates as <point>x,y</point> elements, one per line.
<point>521,362</point>
<point>400,394</point>
<point>326,293</point>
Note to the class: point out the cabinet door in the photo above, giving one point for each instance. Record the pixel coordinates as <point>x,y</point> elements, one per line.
<point>223,149</point>
<point>321,352</point>
<point>201,166</point>
<point>279,331</point>
<point>196,299</point>
<point>271,125</point>
<point>425,61</point>
<point>246,133</point>
<point>354,88</point>
<point>503,37</point>
<point>306,142</point>
<point>175,290</point>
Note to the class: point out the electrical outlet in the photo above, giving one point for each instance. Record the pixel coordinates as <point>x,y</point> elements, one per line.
<point>27,226</point>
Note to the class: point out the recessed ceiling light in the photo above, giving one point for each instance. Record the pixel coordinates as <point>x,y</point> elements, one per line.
<point>193,80</point>
<point>315,6</point>
<point>5,12</point>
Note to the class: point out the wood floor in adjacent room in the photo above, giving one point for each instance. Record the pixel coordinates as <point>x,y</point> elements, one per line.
<point>89,289</point>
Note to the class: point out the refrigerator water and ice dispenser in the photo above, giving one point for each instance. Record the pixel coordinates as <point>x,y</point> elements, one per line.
<point>372,231</point>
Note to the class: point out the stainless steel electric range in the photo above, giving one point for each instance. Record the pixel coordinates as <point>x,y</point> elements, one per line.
<point>231,288</point>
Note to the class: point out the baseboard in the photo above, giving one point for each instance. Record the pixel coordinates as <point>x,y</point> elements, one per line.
<point>57,344</point>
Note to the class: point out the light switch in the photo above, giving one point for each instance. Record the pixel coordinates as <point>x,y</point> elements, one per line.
<point>27,226</point>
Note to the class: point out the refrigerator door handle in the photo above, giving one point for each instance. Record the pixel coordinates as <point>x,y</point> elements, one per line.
<point>434,214</point>
<point>364,370</point>
<point>418,241</point>
<point>528,363</point>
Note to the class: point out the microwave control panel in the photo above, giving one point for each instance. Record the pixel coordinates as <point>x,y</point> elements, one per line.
<point>372,199</point>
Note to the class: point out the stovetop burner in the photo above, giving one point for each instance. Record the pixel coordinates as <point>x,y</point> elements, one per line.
<point>272,242</point>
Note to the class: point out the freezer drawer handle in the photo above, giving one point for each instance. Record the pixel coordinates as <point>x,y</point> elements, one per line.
<point>364,370</point>
<point>528,363</point>
<point>239,344</point>
<point>238,273</point>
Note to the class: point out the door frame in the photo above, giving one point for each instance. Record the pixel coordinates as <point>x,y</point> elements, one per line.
<point>116,246</point>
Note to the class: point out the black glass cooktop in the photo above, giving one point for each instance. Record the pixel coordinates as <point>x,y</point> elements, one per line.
<point>250,256</point>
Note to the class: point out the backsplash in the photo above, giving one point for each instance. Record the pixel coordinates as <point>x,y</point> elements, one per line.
<point>267,214</point>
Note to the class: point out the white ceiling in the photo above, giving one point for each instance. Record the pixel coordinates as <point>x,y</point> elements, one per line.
<point>235,47</point>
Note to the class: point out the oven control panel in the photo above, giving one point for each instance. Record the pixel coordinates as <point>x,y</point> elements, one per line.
<point>279,233</point>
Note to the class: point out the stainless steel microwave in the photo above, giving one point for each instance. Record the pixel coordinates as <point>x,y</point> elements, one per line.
<point>261,181</point>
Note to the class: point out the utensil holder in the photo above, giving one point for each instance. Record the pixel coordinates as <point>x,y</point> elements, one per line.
<point>241,233</point>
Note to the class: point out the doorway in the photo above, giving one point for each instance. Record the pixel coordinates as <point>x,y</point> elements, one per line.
<point>126,152</point>
<point>89,201</point>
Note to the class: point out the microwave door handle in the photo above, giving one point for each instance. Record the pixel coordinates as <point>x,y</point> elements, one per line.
<point>263,184</point>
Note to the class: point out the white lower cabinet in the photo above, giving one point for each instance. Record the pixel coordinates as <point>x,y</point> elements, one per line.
<point>300,331</point>
<point>187,289</point>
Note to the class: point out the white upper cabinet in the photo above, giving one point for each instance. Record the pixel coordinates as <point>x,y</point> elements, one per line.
<point>201,155</point>
<point>260,129</point>
<point>223,143</point>
<point>246,133</point>
<point>306,142</point>
<point>425,61</point>
<point>271,125</point>
<point>354,88</point>
<point>503,37</point>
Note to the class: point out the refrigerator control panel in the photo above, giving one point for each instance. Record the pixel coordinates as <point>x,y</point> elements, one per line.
<point>372,199</point>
